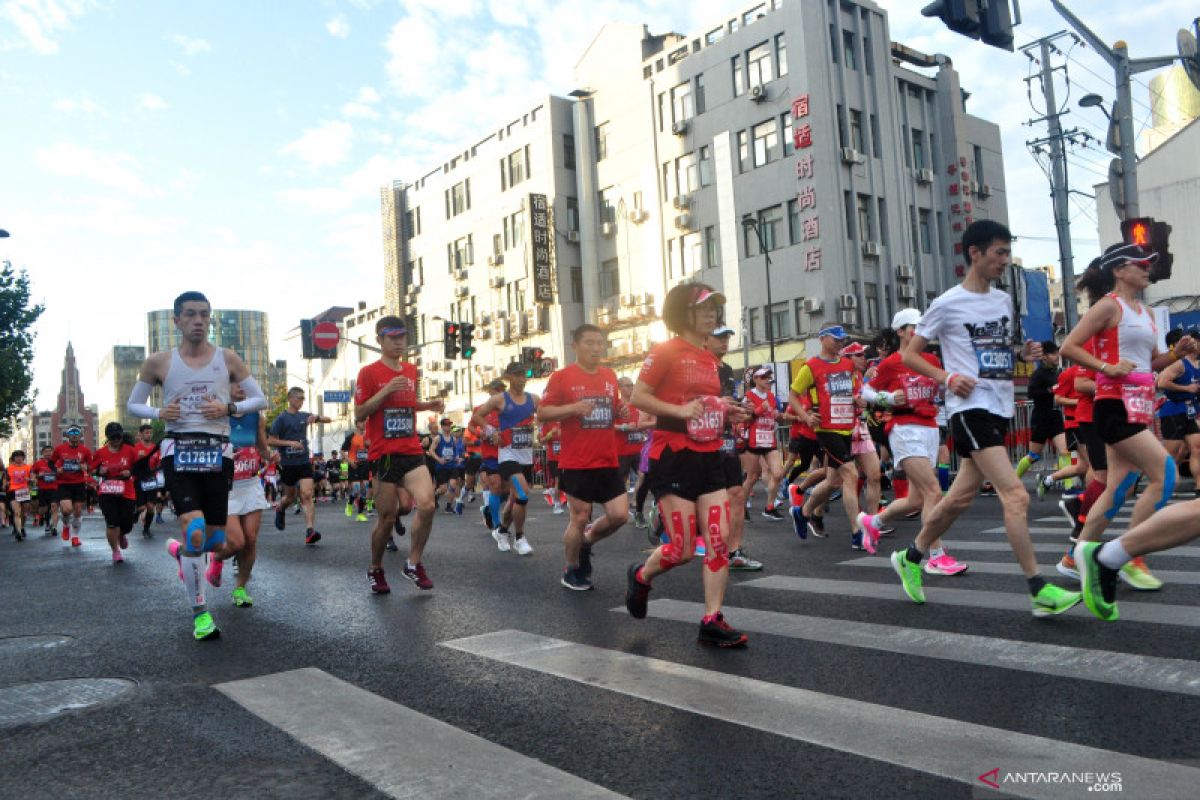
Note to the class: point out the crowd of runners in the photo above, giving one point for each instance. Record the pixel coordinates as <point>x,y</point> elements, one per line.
<point>676,449</point>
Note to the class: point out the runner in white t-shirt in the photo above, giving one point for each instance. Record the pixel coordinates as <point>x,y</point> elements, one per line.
<point>974,322</point>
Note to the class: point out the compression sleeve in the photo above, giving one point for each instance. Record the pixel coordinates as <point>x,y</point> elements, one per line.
<point>138,405</point>
<point>255,399</point>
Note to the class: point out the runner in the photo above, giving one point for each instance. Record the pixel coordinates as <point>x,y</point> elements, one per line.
<point>386,401</point>
<point>680,385</point>
<point>514,409</point>
<point>584,399</point>
<point>632,427</point>
<point>333,474</point>
<point>196,456</point>
<point>114,464</point>
<point>289,433</point>
<point>762,444</point>
<point>18,488</point>
<point>47,486</point>
<point>973,323</point>
<point>489,451</point>
<point>145,477</point>
<point>1067,401</point>
<point>1126,353</point>
<point>472,445</point>
<point>550,436</point>
<point>1046,421</point>
<point>358,459</point>
<point>739,560</point>
<point>862,445</point>
<point>913,435</point>
<point>445,451</point>
<point>70,461</point>
<point>1177,416</point>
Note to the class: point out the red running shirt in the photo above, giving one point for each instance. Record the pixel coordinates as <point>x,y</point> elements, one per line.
<point>553,444</point>
<point>71,463</point>
<point>921,392</point>
<point>392,429</point>
<point>246,463</point>
<point>110,465</point>
<point>678,372</point>
<point>47,478</point>
<point>588,442</point>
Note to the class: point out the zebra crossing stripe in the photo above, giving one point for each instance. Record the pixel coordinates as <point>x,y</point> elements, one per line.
<point>1038,530</point>
<point>1133,611</point>
<point>401,752</point>
<point>1122,669</point>
<point>1048,547</point>
<point>939,746</point>
<point>997,568</point>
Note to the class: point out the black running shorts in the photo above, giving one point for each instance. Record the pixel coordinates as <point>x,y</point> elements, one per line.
<point>976,429</point>
<point>836,447</point>
<point>599,485</point>
<point>686,474</point>
<point>117,511</point>
<point>206,492</point>
<point>1108,415</point>
<point>1091,441</point>
<point>292,474</point>
<point>393,467</point>
<point>1177,427</point>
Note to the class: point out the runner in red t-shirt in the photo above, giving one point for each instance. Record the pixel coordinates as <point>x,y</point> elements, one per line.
<point>145,479</point>
<point>386,397</point>
<point>489,451</point>
<point>583,398</point>
<point>550,436</point>
<point>47,483</point>
<point>113,463</point>
<point>632,432</point>
<point>70,460</point>
<point>680,385</point>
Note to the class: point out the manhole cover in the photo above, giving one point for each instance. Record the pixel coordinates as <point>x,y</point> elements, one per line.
<point>24,644</point>
<point>38,702</point>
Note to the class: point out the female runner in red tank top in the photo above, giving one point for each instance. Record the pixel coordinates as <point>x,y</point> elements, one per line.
<point>680,385</point>
<point>1126,355</point>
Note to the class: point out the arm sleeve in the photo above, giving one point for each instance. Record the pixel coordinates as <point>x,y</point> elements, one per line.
<point>255,399</point>
<point>138,405</point>
<point>803,381</point>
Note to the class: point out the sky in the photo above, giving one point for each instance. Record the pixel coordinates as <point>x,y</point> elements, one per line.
<point>146,149</point>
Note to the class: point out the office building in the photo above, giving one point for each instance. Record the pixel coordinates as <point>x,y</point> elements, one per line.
<point>115,377</point>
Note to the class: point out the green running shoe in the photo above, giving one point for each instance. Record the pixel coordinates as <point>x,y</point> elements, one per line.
<point>361,518</point>
<point>205,628</point>
<point>349,510</point>
<point>1099,585</point>
<point>910,576</point>
<point>1053,600</point>
<point>241,599</point>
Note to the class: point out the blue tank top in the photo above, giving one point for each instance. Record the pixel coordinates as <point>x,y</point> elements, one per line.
<point>1182,402</point>
<point>447,450</point>
<point>512,414</point>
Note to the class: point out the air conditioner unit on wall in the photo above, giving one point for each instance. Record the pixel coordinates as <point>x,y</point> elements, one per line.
<point>680,128</point>
<point>501,331</point>
<point>905,271</point>
<point>985,190</point>
<point>685,221</point>
<point>851,156</point>
<point>497,282</point>
<point>870,249</point>
<point>906,291</point>
<point>848,316</point>
<point>924,176</point>
<point>573,237</point>
<point>533,320</point>
<point>848,301</point>
<point>460,274</point>
<point>608,229</point>
<point>682,202</point>
<point>813,305</point>
<point>413,291</point>
<point>495,259</point>
<point>462,291</point>
<point>605,315</point>
<point>758,93</point>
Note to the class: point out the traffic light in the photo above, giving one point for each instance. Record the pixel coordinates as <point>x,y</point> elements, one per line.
<point>960,16</point>
<point>1154,234</point>
<point>987,20</point>
<point>450,340</point>
<point>466,335</point>
<point>531,359</point>
<point>996,25</point>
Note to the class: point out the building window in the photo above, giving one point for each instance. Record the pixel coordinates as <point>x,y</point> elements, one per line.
<point>608,205</point>
<point>601,143</point>
<point>691,253</point>
<point>700,103</point>
<point>568,151</point>
<point>923,227</point>
<point>848,207</point>
<point>687,176</point>
<point>918,149</point>
<point>754,323</point>
<point>841,123</point>
<point>739,79</point>
<point>577,284</point>
<point>871,305</point>
<point>849,52</point>
<point>770,223</point>
<point>781,321</point>
<point>912,230</point>
<point>682,107</point>
<point>856,131</point>
<point>671,258</point>
<point>572,214</point>
<point>868,56</point>
<point>714,36</point>
<point>833,43</point>
<point>883,221</point>
<point>743,143</point>
<point>978,160</point>
<point>781,55</point>
<point>863,208</point>
<point>789,143</point>
<point>793,213</point>
<point>461,255</point>
<point>412,223</point>
<point>706,166</point>
<point>514,230</point>
<point>712,252</point>
<point>766,142</point>
<point>514,168</point>
<point>458,198</point>
<point>758,62</point>
<point>875,143</point>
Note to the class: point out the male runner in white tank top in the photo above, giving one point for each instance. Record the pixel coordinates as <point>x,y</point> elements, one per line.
<point>196,453</point>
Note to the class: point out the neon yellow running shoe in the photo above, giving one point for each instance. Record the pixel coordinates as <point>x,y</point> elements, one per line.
<point>1138,575</point>
<point>349,510</point>
<point>205,627</point>
<point>361,518</point>
<point>910,576</point>
<point>1052,600</point>
<point>241,599</point>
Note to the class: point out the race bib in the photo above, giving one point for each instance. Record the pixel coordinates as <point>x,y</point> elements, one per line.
<point>149,485</point>
<point>763,436</point>
<point>556,447</point>
<point>635,437</point>
<point>48,478</point>
<point>841,412</point>
<point>1139,403</point>
<point>448,453</point>
<point>70,465</point>
<point>710,425</point>
<point>112,487</point>
<point>197,456</point>
<point>362,455</point>
<point>522,438</point>
<point>995,363</point>
<point>728,445</point>
<point>21,495</point>
<point>399,423</point>
<point>601,415</point>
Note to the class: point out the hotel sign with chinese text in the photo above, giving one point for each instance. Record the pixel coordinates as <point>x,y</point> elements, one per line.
<point>540,232</point>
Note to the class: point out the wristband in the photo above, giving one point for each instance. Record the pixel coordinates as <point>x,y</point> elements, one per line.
<point>949,378</point>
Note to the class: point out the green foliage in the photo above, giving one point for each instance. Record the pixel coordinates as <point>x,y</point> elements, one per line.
<point>276,404</point>
<point>17,319</point>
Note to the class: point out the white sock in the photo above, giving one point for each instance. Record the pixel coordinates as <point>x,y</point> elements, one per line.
<point>1112,555</point>
<point>487,497</point>
<point>410,564</point>
<point>193,578</point>
<point>936,552</point>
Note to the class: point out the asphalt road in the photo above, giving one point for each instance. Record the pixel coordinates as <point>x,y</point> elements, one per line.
<point>500,683</point>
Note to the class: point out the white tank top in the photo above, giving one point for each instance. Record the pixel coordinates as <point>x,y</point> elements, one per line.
<point>1137,335</point>
<point>192,388</point>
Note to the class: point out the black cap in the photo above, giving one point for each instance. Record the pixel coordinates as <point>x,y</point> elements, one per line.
<point>113,430</point>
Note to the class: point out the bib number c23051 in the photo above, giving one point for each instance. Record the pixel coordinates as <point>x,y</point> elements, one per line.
<point>995,363</point>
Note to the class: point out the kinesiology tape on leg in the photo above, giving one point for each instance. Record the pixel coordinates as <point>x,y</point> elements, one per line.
<point>795,496</point>
<point>1170,474</point>
<point>671,553</point>
<point>1120,494</point>
<point>716,557</point>
<point>214,540</point>
<point>193,539</point>
<point>521,496</point>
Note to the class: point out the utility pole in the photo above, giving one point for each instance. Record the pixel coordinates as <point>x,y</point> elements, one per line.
<point>1059,184</point>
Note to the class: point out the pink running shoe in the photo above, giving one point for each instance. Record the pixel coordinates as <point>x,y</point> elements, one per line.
<point>117,557</point>
<point>870,532</point>
<point>173,547</point>
<point>213,573</point>
<point>945,564</point>
<point>124,542</point>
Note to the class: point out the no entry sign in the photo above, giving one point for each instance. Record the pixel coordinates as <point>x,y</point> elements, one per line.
<point>325,336</point>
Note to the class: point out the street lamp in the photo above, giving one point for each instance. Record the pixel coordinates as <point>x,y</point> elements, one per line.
<point>1094,101</point>
<point>748,221</point>
<point>3,233</point>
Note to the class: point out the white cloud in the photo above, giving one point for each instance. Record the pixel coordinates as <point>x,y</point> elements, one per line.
<point>338,27</point>
<point>326,145</point>
<point>84,105</point>
<point>359,111</point>
<point>181,69</point>
<point>113,169</point>
<point>38,22</point>
<point>367,94</point>
<point>192,46</point>
<point>153,102</point>
<point>316,200</point>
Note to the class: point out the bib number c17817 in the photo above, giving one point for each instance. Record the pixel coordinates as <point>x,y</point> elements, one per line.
<point>197,457</point>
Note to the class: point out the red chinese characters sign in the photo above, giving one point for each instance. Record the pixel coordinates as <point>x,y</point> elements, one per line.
<point>806,195</point>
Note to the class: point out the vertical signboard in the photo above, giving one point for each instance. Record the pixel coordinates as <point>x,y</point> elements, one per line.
<point>539,237</point>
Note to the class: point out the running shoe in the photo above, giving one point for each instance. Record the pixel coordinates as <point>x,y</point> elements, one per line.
<point>585,563</point>
<point>698,547</point>
<point>241,599</point>
<point>117,557</point>
<point>639,519</point>
<point>740,562</point>
<point>837,495</point>
<point>637,594</point>
<point>799,523</point>
<point>390,546</point>
<point>418,575</point>
<point>1071,508</point>
<point>360,518</point>
<point>471,497</point>
<point>1097,582</point>
<point>311,537</point>
<point>1139,577</point>
<point>16,535</point>
<point>124,541</point>
<point>1067,567</point>
<point>558,509</point>
<point>299,508</point>
<point>399,528</point>
<point>856,541</point>
<point>204,627</point>
<point>816,527</point>
<point>213,574</point>
<point>870,531</point>
<point>379,584</point>
<point>502,542</point>
<point>76,542</point>
<point>522,546</point>
<point>916,512</point>
<point>1053,600</point>
<point>349,510</point>
<point>886,532</point>
<point>66,532</point>
<point>1043,487</point>
<point>945,564</point>
<point>717,631</point>
<point>173,548</point>
<point>458,508</point>
<point>572,580</point>
<point>280,519</point>
<point>487,517</point>
<point>548,496</point>
<point>910,576</point>
<point>772,513</point>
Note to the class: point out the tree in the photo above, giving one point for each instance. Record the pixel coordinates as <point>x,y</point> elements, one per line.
<point>17,318</point>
